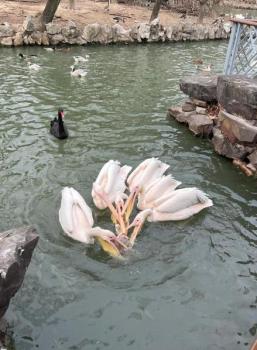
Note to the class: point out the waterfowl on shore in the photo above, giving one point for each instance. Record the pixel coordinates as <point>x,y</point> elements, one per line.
<point>78,72</point>
<point>57,126</point>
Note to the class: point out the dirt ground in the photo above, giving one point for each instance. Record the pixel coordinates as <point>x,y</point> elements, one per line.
<point>86,12</point>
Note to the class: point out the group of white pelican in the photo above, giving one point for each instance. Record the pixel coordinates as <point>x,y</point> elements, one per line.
<point>156,194</point>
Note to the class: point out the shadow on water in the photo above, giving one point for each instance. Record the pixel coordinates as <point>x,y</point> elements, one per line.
<point>189,284</point>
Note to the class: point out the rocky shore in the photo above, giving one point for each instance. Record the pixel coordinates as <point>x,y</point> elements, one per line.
<point>55,33</point>
<point>222,109</point>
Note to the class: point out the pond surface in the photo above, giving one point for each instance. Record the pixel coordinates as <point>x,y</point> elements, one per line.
<point>189,285</point>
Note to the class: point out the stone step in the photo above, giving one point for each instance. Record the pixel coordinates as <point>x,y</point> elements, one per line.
<point>201,87</point>
<point>236,129</point>
<point>238,95</point>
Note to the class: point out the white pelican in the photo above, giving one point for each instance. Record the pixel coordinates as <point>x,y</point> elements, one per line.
<point>156,190</point>
<point>76,219</point>
<point>80,59</point>
<point>177,205</point>
<point>111,183</point>
<point>146,172</point>
<point>109,188</point>
<point>78,72</point>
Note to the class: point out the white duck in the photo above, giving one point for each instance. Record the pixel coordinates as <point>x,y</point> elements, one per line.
<point>78,72</point>
<point>80,59</point>
<point>33,66</point>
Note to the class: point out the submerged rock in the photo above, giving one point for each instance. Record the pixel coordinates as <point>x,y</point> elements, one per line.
<point>16,249</point>
<point>201,87</point>
<point>238,95</point>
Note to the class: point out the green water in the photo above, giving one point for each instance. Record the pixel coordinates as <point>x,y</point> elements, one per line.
<point>189,285</point>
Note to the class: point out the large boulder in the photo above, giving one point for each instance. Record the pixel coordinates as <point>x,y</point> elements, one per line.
<point>141,32</point>
<point>238,95</point>
<point>53,28</point>
<point>237,129</point>
<point>16,249</point>
<point>6,30</point>
<point>32,24</point>
<point>97,33</point>
<point>70,30</point>
<point>223,147</point>
<point>119,34</point>
<point>6,41</point>
<point>202,87</point>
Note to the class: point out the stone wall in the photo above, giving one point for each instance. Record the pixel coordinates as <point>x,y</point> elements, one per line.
<point>224,110</point>
<point>56,33</point>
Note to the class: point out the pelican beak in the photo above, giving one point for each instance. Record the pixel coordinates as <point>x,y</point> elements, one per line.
<point>109,247</point>
<point>129,205</point>
<point>135,233</point>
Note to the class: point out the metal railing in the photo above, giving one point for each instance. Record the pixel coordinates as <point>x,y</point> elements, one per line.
<point>241,55</point>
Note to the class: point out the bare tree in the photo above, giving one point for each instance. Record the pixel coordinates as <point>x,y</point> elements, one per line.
<point>156,10</point>
<point>49,11</point>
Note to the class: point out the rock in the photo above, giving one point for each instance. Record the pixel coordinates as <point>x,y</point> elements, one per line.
<point>188,107</point>
<point>36,38</point>
<point>70,30</point>
<point>44,39</point>
<point>253,158</point>
<point>32,24</point>
<point>179,115</point>
<point>6,30</point>
<point>56,39</point>
<point>18,39</point>
<point>223,147</point>
<point>16,249</point>
<point>201,110</point>
<point>53,28</point>
<point>6,41</point>
<point>202,87</point>
<point>200,125</point>
<point>243,167</point>
<point>199,103</point>
<point>119,34</point>
<point>238,95</point>
<point>157,31</point>
<point>251,167</point>
<point>97,33</point>
<point>237,129</point>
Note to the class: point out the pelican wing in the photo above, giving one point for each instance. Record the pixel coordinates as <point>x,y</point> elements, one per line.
<point>181,205</point>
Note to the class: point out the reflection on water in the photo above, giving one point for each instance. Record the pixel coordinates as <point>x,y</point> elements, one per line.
<point>188,285</point>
